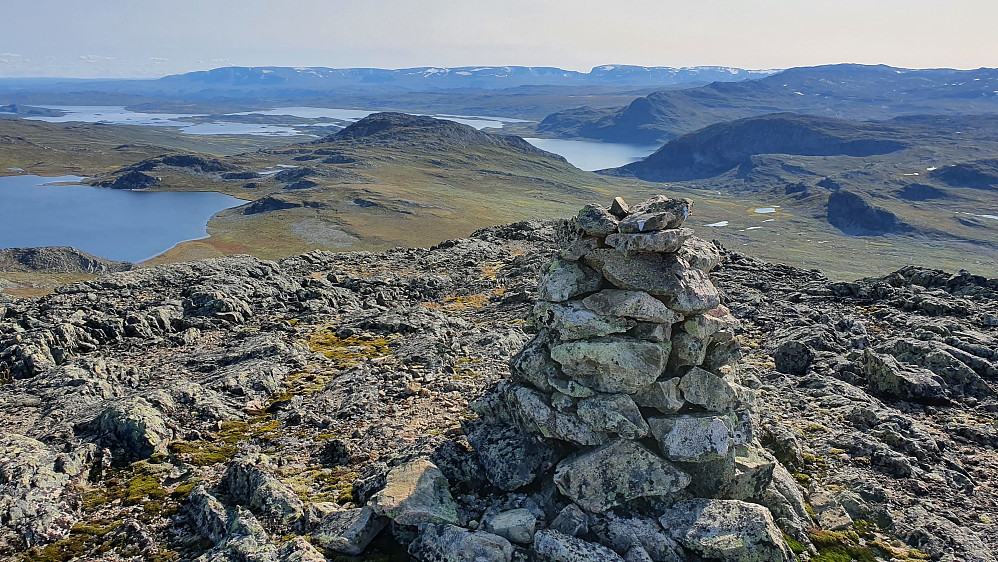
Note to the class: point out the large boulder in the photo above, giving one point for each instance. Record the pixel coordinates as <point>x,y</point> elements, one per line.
<point>134,426</point>
<point>416,492</point>
<point>615,474</point>
<point>632,304</point>
<point>729,530</point>
<point>573,321</point>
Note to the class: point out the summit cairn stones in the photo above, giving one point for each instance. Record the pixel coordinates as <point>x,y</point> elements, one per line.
<point>628,392</point>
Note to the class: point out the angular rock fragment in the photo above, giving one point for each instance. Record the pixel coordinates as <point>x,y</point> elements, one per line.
<point>416,492</point>
<point>688,290</point>
<point>615,474</point>
<point>613,413</point>
<point>562,280</point>
<point>708,390</point>
<point>135,426</point>
<point>623,534</point>
<point>514,525</point>
<point>511,458</point>
<point>693,437</point>
<point>571,521</point>
<point>349,531</point>
<point>664,396</point>
<point>687,350</point>
<point>596,221</point>
<point>886,376</point>
<point>250,482</point>
<point>619,208</point>
<point>552,546</point>
<point>699,254</point>
<point>448,543</point>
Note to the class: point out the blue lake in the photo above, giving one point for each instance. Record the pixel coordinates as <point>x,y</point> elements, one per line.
<point>592,155</point>
<point>110,223</point>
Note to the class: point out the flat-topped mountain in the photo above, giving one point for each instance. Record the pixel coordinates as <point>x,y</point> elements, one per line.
<point>237,81</point>
<point>845,91</point>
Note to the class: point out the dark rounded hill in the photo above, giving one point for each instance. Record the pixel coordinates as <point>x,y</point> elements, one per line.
<point>401,129</point>
<point>718,148</point>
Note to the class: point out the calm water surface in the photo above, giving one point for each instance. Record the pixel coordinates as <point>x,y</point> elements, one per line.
<point>111,223</point>
<point>591,155</point>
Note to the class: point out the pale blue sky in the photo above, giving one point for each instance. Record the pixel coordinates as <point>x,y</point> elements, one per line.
<point>117,38</point>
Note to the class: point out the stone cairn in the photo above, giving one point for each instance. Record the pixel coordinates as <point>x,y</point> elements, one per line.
<point>628,393</point>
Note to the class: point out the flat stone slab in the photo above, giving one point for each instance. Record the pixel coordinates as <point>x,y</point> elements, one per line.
<point>688,290</point>
<point>613,413</point>
<point>615,474</point>
<point>562,280</point>
<point>613,364</point>
<point>638,305</point>
<point>573,321</point>
<point>659,242</point>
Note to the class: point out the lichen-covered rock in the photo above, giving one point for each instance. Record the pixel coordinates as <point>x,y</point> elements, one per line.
<point>660,242</point>
<point>712,392</point>
<point>33,502</point>
<point>664,396</point>
<point>632,304</point>
<point>511,458</point>
<point>134,426</point>
<point>533,363</point>
<point>249,481</point>
<point>596,221</point>
<point>615,474</point>
<point>614,364</point>
<point>529,408</point>
<point>552,546</point>
<point>416,492</point>
<point>447,543</point>
<point>562,280</point>
<point>699,254</point>
<point>729,530</point>
<point>515,525</point>
<point>657,213</point>
<point>888,377</point>
<point>573,321</point>
<point>687,350</point>
<point>622,534</point>
<point>693,437</point>
<point>207,515</point>
<point>299,549</point>
<point>715,325</point>
<point>349,531</point>
<point>613,413</point>
<point>571,521</point>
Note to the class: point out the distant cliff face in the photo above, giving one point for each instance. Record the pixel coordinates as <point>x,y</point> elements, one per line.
<point>719,148</point>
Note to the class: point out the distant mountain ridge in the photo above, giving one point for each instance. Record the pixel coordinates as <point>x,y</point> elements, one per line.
<point>843,91</point>
<point>245,81</point>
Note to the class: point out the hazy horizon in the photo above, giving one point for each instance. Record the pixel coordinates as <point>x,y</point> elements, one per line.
<point>121,39</point>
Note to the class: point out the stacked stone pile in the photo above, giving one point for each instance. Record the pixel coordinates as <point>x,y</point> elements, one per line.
<point>626,398</point>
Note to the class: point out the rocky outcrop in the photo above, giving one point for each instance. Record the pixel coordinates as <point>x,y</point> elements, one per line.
<point>58,259</point>
<point>308,382</point>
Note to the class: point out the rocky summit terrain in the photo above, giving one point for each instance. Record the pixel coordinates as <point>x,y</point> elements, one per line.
<point>605,388</point>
